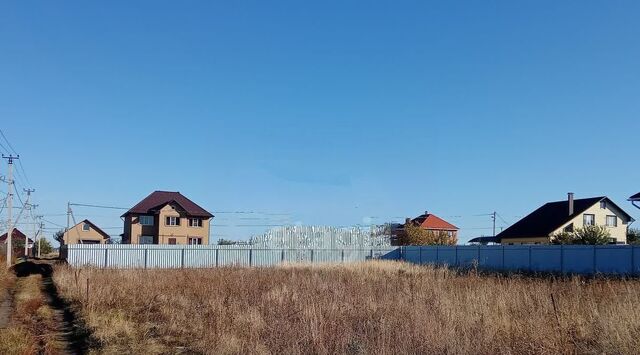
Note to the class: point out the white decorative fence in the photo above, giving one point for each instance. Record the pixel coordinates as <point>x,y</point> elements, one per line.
<point>204,256</point>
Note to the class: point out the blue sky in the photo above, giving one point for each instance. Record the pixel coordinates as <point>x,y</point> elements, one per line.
<point>333,112</point>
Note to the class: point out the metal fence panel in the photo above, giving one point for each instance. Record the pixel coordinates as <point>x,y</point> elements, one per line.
<point>202,256</point>
<point>613,259</point>
<point>516,257</point>
<point>547,258</point>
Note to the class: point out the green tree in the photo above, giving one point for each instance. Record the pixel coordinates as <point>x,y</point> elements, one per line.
<point>593,235</point>
<point>563,238</point>
<point>633,236</point>
<point>223,241</point>
<point>45,246</point>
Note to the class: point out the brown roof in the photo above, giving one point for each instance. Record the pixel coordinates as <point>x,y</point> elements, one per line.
<point>158,199</point>
<point>431,221</point>
<point>16,235</point>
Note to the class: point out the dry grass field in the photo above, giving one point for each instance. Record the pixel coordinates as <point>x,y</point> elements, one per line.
<point>373,307</point>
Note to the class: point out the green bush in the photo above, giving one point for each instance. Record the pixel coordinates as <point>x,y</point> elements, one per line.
<point>588,235</point>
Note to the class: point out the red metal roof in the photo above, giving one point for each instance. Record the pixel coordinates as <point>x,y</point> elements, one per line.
<point>431,221</point>
<point>159,199</point>
<point>16,235</point>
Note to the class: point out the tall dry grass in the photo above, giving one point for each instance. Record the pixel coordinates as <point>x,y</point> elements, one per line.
<point>373,307</point>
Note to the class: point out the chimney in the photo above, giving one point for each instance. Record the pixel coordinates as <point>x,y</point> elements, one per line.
<point>570,198</point>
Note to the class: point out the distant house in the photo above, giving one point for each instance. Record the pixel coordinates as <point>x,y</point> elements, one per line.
<point>635,199</point>
<point>85,232</point>
<point>17,237</point>
<point>427,221</point>
<point>568,215</point>
<point>166,217</point>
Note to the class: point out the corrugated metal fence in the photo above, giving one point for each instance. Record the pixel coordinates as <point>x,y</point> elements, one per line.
<point>565,259</point>
<point>201,256</point>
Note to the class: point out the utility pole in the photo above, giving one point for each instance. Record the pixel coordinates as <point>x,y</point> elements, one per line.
<point>39,234</point>
<point>68,216</point>
<point>31,207</point>
<point>10,159</point>
<point>493,216</point>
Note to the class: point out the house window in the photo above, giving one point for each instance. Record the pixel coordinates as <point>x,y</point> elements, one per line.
<point>589,220</point>
<point>195,222</point>
<point>146,220</point>
<point>172,241</point>
<point>612,221</point>
<point>173,221</point>
<point>86,227</point>
<point>603,204</point>
<point>146,239</point>
<point>195,241</point>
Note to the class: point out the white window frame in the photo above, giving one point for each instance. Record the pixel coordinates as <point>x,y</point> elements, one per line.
<point>194,241</point>
<point>584,219</point>
<point>86,227</point>
<point>615,219</point>
<point>197,225</point>
<point>173,221</point>
<point>142,219</point>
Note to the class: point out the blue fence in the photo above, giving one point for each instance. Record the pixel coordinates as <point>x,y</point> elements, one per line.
<point>566,259</point>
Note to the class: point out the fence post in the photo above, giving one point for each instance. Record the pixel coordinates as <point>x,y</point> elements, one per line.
<point>503,267</point>
<point>371,256</point>
<point>456,259</point>
<point>529,258</point>
<point>594,259</point>
<point>437,255</point>
<point>182,258</point>
<point>561,259</point>
<point>342,257</point>
<point>312,256</point>
<point>145,257</point>
<point>420,253</point>
<point>106,257</point>
<point>250,256</point>
<point>217,250</point>
<point>282,256</point>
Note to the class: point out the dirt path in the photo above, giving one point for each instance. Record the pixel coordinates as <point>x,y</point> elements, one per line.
<point>6,298</point>
<point>66,328</point>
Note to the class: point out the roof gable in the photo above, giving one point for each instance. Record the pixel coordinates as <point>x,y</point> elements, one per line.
<point>431,221</point>
<point>159,199</point>
<point>97,229</point>
<point>551,216</point>
<point>17,234</point>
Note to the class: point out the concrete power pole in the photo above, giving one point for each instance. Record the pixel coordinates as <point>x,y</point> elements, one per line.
<point>31,207</point>
<point>40,236</point>
<point>10,159</point>
<point>493,216</point>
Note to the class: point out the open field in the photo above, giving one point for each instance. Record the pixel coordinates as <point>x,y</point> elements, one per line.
<point>372,307</point>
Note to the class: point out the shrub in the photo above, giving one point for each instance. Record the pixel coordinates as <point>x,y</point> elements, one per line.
<point>633,236</point>
<point>592,235</point>
<point>589,235</point>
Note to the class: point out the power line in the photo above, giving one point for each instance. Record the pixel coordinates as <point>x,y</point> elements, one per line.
<point>8,143</point>
<point>98,206</point>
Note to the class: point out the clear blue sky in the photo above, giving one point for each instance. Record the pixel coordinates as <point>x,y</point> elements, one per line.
<point>333,111</point>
